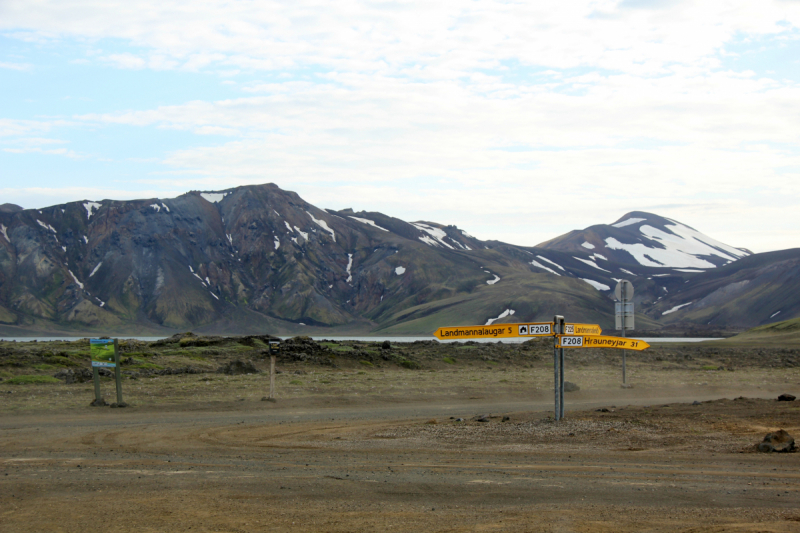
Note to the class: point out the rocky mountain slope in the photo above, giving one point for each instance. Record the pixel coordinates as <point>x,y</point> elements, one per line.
<point>261,259</point>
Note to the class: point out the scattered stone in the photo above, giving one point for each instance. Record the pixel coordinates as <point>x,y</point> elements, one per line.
<point>602,410</point>
<point>778,441</point>
<point>116,405</point>
<point>786,398</point>
<point>237,367</point>
<point>71,376</point>
<point>459,419</point>
<point>98,403</point>
<point>506,418</point>
<point>480,418</point>
<point>695,402</point>
<point>300,372</point>
<point>626,386</point>
<point>386,345</point>
<point>570,387</point>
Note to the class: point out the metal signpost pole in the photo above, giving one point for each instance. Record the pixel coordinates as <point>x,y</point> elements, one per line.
<point>623,319</point>
<point>624,378</point>
<point>561,371</point>
<point>557,321</point>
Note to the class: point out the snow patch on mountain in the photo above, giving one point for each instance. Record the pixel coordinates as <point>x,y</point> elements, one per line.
<point>324,225</point>
<point>46,226</point>
<point>588,245</point>
<point>773,315</point>
<point>675,308</point>
<point>301,232</point>
<point>76,279</point>
<point>400,271</point>
<point>591,263</point>
<point>538,264</point>
<point>628,222</point>
<point>277,243</point>
<point>95,269</point>
<point>368,222</point>
<point>156,207</point>
<point>90,208</point>
<point>349,266</point>
<point>213,197</point>
<point>437,234</point>
<point>551,262</point>
<point>507,312</point>
<point>597,285</point>
<point>3,230</point>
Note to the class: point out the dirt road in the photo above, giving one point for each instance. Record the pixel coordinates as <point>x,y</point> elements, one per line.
<point>648,464</point>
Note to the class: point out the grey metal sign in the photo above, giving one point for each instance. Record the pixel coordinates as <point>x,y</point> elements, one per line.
<point>624,290</point>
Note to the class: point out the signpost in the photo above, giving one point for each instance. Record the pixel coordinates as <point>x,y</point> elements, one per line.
<point>601,341</point>
<point>623,315</point>
<point>105,354</point>
<point>564,336</point>
<point>505,331</point>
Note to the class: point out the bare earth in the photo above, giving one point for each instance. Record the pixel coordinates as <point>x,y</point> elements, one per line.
<point>383,450</point>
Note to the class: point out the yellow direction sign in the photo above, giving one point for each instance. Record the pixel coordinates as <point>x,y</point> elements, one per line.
<point>500,331</point>
<point>582,329</point>
<point>599,341</point>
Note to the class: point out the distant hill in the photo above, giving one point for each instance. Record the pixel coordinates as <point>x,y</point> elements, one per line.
<point>261,259</point>
<point>784,333</point>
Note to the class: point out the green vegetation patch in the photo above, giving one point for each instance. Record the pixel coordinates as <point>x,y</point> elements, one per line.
<point>366,363</point>
<point>449,360</point>
<point>295,382</point>
<point>33,380</point>
<point>61,361</point>
<point>145,366</point>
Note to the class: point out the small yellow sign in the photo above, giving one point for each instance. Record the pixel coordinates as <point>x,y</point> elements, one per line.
<point>582,329</point>
<point>599,341</point>
<point>500,331</point>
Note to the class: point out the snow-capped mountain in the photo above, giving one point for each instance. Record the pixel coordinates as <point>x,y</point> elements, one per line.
<point>647,240</point>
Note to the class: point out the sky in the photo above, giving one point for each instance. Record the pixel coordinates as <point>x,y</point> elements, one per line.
<point>516,121</point>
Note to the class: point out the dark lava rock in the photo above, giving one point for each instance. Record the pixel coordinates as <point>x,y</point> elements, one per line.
<point>786,398</point>
<point>237,367</point>
<point>70,376</point>
<point>602,410</point>
<point>480,418</point>
<point>777,441</point>
<point>695,402</point>
<point>570,387</point>
<point>386,345</point>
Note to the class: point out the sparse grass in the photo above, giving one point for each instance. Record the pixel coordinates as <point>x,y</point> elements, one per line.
<point>32,380</point>
<point>44,367</point>
<point>145,366</point>
<point>449,360</point>
<point>709,367</point>
<point>366,363</point>
<point>295,382</point>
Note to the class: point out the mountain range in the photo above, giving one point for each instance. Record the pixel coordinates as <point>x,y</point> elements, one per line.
<point>259,259</point>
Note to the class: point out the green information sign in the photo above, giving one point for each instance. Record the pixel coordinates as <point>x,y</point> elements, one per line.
<point>102,352</point>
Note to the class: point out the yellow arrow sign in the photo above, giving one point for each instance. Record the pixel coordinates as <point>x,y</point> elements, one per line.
<point>599,341</point>
<point>500,331</point>
<point>582,329</point>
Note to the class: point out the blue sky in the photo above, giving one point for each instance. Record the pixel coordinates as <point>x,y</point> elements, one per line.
<point>513,121</point>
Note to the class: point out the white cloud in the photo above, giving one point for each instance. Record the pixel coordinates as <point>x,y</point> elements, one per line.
<point>499,117</point>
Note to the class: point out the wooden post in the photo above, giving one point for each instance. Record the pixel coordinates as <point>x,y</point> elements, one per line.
<point>271,377</point>
<point>98,400</point>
